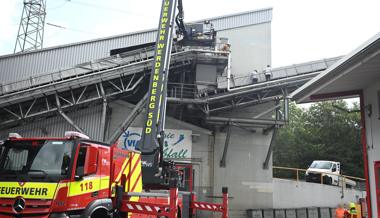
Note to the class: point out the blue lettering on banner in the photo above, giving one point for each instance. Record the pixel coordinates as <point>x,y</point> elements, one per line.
<point>131,140</point>
<point>177,144</point>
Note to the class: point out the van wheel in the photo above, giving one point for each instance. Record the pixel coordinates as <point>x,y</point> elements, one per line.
<point>327,180</point>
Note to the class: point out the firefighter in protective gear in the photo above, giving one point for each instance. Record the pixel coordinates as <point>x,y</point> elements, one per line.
<point>339,212</point>
<point>353,212</point>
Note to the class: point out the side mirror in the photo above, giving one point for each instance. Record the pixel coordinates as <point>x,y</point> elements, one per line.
<point>91,161</point>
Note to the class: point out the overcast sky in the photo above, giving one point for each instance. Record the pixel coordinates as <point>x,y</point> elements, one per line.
<point>302,30</point>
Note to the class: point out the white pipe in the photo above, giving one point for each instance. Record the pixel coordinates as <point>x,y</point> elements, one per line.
<point>229,72</point>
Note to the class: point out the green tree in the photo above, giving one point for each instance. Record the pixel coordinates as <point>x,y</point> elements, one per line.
<point>324,131</point>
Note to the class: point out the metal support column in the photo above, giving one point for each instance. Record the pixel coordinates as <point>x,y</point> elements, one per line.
<point>270,149</point>
<point>104,113</point>
<point>286,109</point>
<point>225,150</point>
<point>70,121</point>
<point>128,121</point>
<point>286,105</point>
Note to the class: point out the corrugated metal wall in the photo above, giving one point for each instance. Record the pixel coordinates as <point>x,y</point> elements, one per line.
<point>20,66</point>
<point>55,126</point>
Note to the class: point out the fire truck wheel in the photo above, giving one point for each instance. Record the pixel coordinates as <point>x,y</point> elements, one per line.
<point>100,213</point>
<point>100,208</point>
<point>179,215</point>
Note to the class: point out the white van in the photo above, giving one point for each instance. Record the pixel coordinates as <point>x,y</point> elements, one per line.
<point>330,171</point>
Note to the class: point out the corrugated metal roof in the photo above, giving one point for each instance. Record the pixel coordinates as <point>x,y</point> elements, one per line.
<point>22,65</point>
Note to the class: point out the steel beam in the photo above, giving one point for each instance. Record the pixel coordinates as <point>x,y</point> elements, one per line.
<point>70,121</point>
<point>104,113</point>
<point>85,96</point>
<point>267,111</point>
<point>245,120</point>
<point>226,144</point>
<point>270,149</point>
<point>128,121</point>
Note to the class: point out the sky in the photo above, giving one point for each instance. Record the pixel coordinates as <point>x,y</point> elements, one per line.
<point>302,30</point>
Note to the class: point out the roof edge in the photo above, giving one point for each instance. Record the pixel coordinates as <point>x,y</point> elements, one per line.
<point>128,34</point>
<point>317,83</point>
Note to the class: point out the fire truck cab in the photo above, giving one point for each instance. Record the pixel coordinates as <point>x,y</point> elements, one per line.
<point>64,177</point>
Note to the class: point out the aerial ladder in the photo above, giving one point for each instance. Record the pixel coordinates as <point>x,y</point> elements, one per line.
<point>158,173</point>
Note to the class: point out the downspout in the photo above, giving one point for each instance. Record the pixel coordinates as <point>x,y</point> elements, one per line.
<point>211,143</point>
<point>365,154</point>
<point>229,72</point>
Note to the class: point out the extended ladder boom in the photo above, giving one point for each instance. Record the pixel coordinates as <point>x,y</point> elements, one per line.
<point>152,136</point>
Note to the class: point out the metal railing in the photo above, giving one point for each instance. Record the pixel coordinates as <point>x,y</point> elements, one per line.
<point>299,174</point>
<point>277,73</point>
<point>182,90</point>
<point>78,70</point>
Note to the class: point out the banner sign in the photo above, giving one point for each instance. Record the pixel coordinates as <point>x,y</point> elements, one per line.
<point>177,143</point>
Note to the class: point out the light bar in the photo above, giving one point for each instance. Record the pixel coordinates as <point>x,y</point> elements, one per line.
<point>73,134</point>
<point>13,135</point>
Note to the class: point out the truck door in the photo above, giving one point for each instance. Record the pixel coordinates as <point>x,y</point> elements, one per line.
<point>86,183</point>
<point>377,177</point>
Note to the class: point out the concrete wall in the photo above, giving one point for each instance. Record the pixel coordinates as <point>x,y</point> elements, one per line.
<point>373,138</point>
<point>291,194</point>
<point>250,186</point>
<point>250,48</point>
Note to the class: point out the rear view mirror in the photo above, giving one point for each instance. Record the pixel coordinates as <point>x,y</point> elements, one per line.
<point>91,161</point>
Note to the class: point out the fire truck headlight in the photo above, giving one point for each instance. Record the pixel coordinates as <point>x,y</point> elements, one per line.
<point>58,215</point>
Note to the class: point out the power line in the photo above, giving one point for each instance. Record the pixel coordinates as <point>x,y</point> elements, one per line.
<point>70,29</point>
<point>105,7</point>
<point>58,6</point>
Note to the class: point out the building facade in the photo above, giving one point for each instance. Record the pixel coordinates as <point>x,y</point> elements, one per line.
<point>249,35</point>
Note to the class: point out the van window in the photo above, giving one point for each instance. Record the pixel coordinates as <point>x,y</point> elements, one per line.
<point>321,165</point>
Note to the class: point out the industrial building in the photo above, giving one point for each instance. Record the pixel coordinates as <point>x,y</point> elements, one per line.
<point>224,104</point>
<point>78,59</point>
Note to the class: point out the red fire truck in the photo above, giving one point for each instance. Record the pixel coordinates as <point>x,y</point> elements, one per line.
<point>74,176</point>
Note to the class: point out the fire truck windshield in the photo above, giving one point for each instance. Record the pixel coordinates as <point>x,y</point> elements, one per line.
<point>42,160</point>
